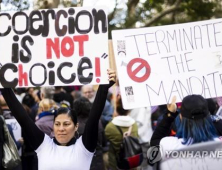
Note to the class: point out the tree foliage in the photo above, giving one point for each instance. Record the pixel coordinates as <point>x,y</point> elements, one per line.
<point>143,13</point>
<point>163,12</point>
<point>45,4</point>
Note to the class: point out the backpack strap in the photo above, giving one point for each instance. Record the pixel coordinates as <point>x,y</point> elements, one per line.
<point>127,133</point>
<point>123,135</point>
<point>119,129</point>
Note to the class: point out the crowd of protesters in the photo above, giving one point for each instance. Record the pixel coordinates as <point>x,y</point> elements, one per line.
<point>172,126</point>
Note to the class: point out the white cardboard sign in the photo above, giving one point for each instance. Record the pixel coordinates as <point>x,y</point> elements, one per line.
<point>54,47</point>
<point>157,63</point>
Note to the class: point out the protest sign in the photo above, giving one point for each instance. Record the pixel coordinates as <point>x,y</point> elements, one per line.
<point>16,129</point>
<point>54,47</point>
<point>157,63</point>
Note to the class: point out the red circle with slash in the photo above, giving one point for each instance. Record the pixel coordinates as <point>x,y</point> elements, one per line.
<point>142,64</point>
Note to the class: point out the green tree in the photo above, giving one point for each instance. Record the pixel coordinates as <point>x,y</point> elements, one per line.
<point>143,13</point>
<point>45,4</point>
<point>138,13</point>
<point>38,4</point>
<point>161,12</point>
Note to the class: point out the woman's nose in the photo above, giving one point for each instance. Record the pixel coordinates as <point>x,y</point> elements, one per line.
<point>61,128</point>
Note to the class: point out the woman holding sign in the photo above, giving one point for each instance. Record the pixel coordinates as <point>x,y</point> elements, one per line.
<point>65,151</point>
<point>194,125</point>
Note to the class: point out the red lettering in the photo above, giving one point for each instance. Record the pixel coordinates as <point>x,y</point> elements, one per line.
<point>22,76</point>
<point>81,39</point>
<point>52,45</point>
<point>67,46</point>
<point>67,52</point>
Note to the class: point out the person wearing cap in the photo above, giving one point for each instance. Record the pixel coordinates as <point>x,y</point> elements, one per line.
<point>194,124</point>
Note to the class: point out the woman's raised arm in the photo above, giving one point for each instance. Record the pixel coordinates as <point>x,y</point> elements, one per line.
<point>90,134</point>
<point>163,128</point>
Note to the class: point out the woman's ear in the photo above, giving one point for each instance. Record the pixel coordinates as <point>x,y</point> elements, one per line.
<point>76,126</point>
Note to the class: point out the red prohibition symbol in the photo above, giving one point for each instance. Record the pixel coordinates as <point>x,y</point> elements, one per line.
<point>133,73</point>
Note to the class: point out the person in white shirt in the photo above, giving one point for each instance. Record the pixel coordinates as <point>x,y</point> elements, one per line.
<point>65,151</point>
